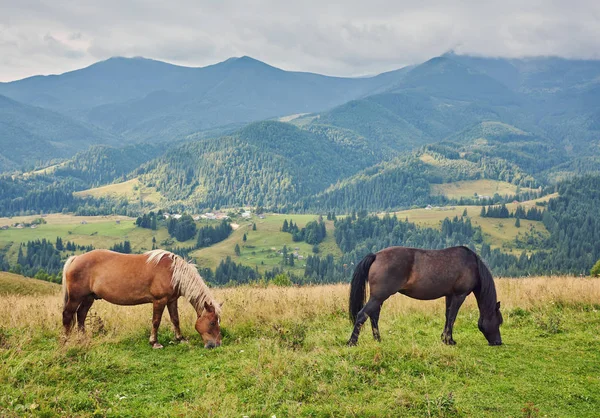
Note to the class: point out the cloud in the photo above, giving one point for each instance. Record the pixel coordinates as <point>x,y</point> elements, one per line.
<point>347,38</point>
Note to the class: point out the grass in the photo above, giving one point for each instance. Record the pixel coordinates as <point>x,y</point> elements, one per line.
<point>499,233</point>
<point>132,190</point>
<point>284,354</point>
<point>260,248</point>
<point>468,188</point>
<point>99,231</point>
<point>14,284</point>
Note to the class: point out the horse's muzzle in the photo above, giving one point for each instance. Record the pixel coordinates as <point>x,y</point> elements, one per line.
<point>212,344</point>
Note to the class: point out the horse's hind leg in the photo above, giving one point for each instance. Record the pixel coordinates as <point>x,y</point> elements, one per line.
<point>83,310</point>
<point>174,314</point>
<point>371,309</point>
<point>374,315</point>
<point>453,304</point>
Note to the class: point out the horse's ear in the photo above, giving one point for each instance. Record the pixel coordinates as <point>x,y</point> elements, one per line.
<point>209,307</point>
<point>498,306</point>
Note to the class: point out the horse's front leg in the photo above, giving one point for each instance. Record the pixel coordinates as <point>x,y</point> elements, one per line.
<point>158,307</point>
<point>174,314</point>
<point>453,304</point>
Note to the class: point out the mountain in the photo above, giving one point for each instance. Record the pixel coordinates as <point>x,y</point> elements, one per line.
<point>272,164</point>
<point>31,135</point>
<point>142,99</point>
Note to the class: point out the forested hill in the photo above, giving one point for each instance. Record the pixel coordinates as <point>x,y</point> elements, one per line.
<point>31,136</point>
<point>270,164</point>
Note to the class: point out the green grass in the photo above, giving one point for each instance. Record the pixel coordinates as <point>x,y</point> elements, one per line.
<point>14,284</point>
<point>99,231</point>
<point>260,248</point>
<point>301,367</point>
<point>499,233</point>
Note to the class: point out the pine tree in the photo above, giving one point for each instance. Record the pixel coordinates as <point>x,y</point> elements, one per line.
<point>464,212</point>
<point>254,227</point>
<point>244,238</point>
<point>518,222</point>
<point>237,250</point>
<point>482,214</point>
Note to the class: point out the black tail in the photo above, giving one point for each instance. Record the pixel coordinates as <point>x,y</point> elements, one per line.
<point>358,286</point>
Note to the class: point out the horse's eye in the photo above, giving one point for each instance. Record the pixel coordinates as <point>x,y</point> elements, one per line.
<point>212,324</point>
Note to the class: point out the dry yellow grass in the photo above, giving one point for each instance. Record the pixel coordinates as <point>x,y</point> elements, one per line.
<point>132,190</point>
<point>467,188</point>
<point>254,305</point>
<point>63,219</point>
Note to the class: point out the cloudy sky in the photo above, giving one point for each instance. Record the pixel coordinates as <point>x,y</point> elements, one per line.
<point>347,38</point>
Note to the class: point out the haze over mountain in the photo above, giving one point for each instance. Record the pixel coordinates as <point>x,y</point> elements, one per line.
<point>508,119</point>
<point>142,99</point>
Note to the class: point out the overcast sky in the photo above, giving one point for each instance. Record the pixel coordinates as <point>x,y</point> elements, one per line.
<point>347,38</point>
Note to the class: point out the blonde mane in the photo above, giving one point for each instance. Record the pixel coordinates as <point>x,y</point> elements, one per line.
<point>186,279</point>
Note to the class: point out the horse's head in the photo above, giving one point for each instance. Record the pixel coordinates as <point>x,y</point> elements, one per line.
<point>209,327</point>
<point>489,325</point>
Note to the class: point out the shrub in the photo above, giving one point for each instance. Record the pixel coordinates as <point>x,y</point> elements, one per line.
<point>595,271</point>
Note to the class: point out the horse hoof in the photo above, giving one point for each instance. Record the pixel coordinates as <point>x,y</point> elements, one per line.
<point>157,346</point>
<point>351,343</point>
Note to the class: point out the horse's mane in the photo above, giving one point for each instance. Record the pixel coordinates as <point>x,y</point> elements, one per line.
<point>485,292</point>
<point>186,279</point>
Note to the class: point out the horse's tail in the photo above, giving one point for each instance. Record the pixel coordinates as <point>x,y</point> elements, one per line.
<point>358,286</point>
<point>64,278</point>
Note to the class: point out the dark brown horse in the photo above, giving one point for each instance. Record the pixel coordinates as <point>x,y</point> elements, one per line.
<point>425,274</point>
<point>158,277</point>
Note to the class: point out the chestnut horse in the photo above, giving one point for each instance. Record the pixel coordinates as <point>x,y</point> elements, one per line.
<point>425,274</point>
<point>158,277</point>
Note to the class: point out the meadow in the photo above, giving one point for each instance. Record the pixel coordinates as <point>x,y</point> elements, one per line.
<point>261,246</point>
<point>284,354</point>
<point>99,231</point>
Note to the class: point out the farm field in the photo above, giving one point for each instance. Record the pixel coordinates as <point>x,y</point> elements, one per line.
<point>284,354</point>
<point>261,246</point>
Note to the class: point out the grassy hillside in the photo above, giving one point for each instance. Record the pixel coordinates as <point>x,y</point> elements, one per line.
<point>14,284</point>
<point>499,233</point>
<point>468,188</point>
<point>99,231</point>
<point>261,246</point>
<point>284,354</point>
<point>132,190</point>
